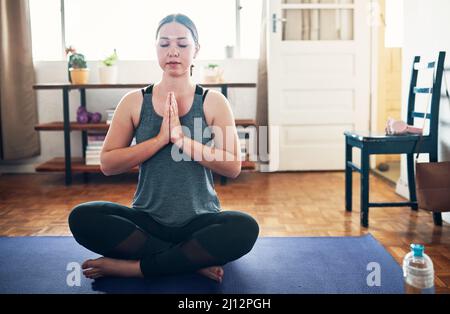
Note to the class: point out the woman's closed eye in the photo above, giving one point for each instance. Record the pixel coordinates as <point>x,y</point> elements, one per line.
<point>179,45</point>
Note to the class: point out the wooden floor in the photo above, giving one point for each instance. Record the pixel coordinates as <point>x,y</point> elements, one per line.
<point>284,204</point>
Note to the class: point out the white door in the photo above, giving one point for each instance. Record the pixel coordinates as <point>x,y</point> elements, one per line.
<point>318,80</point>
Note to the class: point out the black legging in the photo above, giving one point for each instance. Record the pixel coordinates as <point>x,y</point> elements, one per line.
<point>118,231</point>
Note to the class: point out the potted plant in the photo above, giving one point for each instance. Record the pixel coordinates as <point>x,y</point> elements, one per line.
<point>78,70</point>
<point>108,70</point>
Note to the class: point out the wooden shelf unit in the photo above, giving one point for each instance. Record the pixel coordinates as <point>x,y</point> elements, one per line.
<point>69,164</point>
<point>57,165</point>
<point>103,126</point>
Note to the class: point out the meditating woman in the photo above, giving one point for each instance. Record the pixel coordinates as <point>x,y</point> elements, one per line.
<point>175,223</point>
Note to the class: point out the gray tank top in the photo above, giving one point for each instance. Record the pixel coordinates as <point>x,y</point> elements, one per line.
<point>174,191</point>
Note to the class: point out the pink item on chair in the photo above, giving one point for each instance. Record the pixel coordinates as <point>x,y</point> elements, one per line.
<point>398,127</point>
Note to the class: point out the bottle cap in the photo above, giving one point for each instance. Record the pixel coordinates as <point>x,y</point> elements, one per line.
<point>417,249</point>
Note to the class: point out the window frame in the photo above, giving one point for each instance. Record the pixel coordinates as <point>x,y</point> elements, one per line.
<point>237,51</point>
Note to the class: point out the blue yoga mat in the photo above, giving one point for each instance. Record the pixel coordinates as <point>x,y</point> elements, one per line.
<point>277,265</point>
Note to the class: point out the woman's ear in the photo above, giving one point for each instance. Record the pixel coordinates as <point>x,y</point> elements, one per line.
<point>197,48</point>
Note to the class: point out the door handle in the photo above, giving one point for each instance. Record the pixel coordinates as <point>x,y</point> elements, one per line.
<point>275,20</point>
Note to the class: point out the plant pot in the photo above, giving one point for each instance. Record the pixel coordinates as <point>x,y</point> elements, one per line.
<point>79,76</point>
<point>108,75</point>
<point>213,75</point>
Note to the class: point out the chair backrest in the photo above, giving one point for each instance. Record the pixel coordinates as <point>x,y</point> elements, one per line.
<point>437,67</point>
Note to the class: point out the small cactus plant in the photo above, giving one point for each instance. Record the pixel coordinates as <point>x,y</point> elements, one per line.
<point>76,60</point>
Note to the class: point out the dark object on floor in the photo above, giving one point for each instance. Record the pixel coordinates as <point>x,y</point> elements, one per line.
<point>383,167</point>
<point>433,185</point>
<point>275,265</point>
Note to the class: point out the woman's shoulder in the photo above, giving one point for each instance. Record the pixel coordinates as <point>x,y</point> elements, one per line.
<point>131,104</point>
<point>133,96</point>
<point>214,99</point>
<point>215,105</point>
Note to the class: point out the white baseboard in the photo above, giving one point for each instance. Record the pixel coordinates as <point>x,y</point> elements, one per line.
<point>264,168</point>
<point>402,188</point>
<point>446,217</point>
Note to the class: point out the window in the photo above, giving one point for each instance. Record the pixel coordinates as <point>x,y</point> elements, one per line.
<point>97,27</point>
<point>46,30</point>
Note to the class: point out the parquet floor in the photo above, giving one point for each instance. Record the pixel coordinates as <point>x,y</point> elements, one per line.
<point>284,204</point>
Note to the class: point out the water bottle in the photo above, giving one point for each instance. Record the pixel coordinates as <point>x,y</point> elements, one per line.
<point>418,272</point>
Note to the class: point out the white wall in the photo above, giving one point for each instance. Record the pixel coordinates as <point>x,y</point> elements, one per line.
<point>242,100</point>
<point>427,31</point>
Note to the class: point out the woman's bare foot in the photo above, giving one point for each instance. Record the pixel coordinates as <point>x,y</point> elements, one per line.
<point>213,272</point>
<point>105,266</point>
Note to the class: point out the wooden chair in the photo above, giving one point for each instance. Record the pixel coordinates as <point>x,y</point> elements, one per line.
<point>370,143</point>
